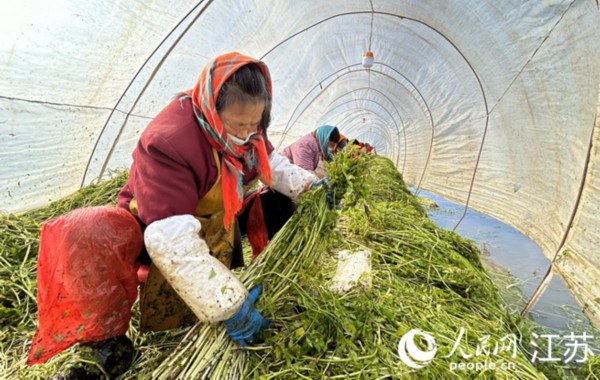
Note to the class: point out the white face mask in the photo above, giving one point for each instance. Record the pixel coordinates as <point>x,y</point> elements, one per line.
<point>239,142</point>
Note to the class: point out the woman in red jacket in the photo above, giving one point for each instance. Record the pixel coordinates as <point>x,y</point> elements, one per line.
<point>197,158</point>
<point>191,169</point>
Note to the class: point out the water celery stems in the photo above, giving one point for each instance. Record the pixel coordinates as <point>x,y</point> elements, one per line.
<point>292,252</point>
<point>423,278</point>
<point>410,290</point>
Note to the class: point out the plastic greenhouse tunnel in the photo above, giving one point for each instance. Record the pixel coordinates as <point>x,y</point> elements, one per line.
<point>492,106</point>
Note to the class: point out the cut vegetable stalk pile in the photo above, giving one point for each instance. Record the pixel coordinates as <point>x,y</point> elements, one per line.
<point>422,278</point>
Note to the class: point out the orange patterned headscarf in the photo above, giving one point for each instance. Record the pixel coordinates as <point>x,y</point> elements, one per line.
<point>204,97</point>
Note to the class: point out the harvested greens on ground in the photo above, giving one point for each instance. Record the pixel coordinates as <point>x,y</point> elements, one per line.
<point>423,278</point>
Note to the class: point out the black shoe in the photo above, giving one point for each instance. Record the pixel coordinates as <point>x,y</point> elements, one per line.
<point>113,355</point>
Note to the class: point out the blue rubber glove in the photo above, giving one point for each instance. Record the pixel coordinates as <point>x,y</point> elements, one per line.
<point>331,201</point>
<point>245,325</point>
<point>321,182</point>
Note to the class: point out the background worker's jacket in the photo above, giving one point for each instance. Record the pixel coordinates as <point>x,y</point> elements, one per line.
<point>305,152</point>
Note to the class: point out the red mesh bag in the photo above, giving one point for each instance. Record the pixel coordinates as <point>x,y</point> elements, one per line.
<point>86,278</point>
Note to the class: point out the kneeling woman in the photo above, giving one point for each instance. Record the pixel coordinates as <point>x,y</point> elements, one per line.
<point>191,168</point>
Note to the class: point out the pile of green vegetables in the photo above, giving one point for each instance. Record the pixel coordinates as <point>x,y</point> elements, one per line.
<point>423,278</point>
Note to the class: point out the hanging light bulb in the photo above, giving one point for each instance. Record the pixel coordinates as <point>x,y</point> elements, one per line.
<point>367,60</point>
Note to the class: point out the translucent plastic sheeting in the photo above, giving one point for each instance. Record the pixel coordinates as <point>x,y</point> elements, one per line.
<point>490,103</point>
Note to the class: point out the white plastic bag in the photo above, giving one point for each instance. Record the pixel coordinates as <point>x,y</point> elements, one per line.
<point>353,270</point>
